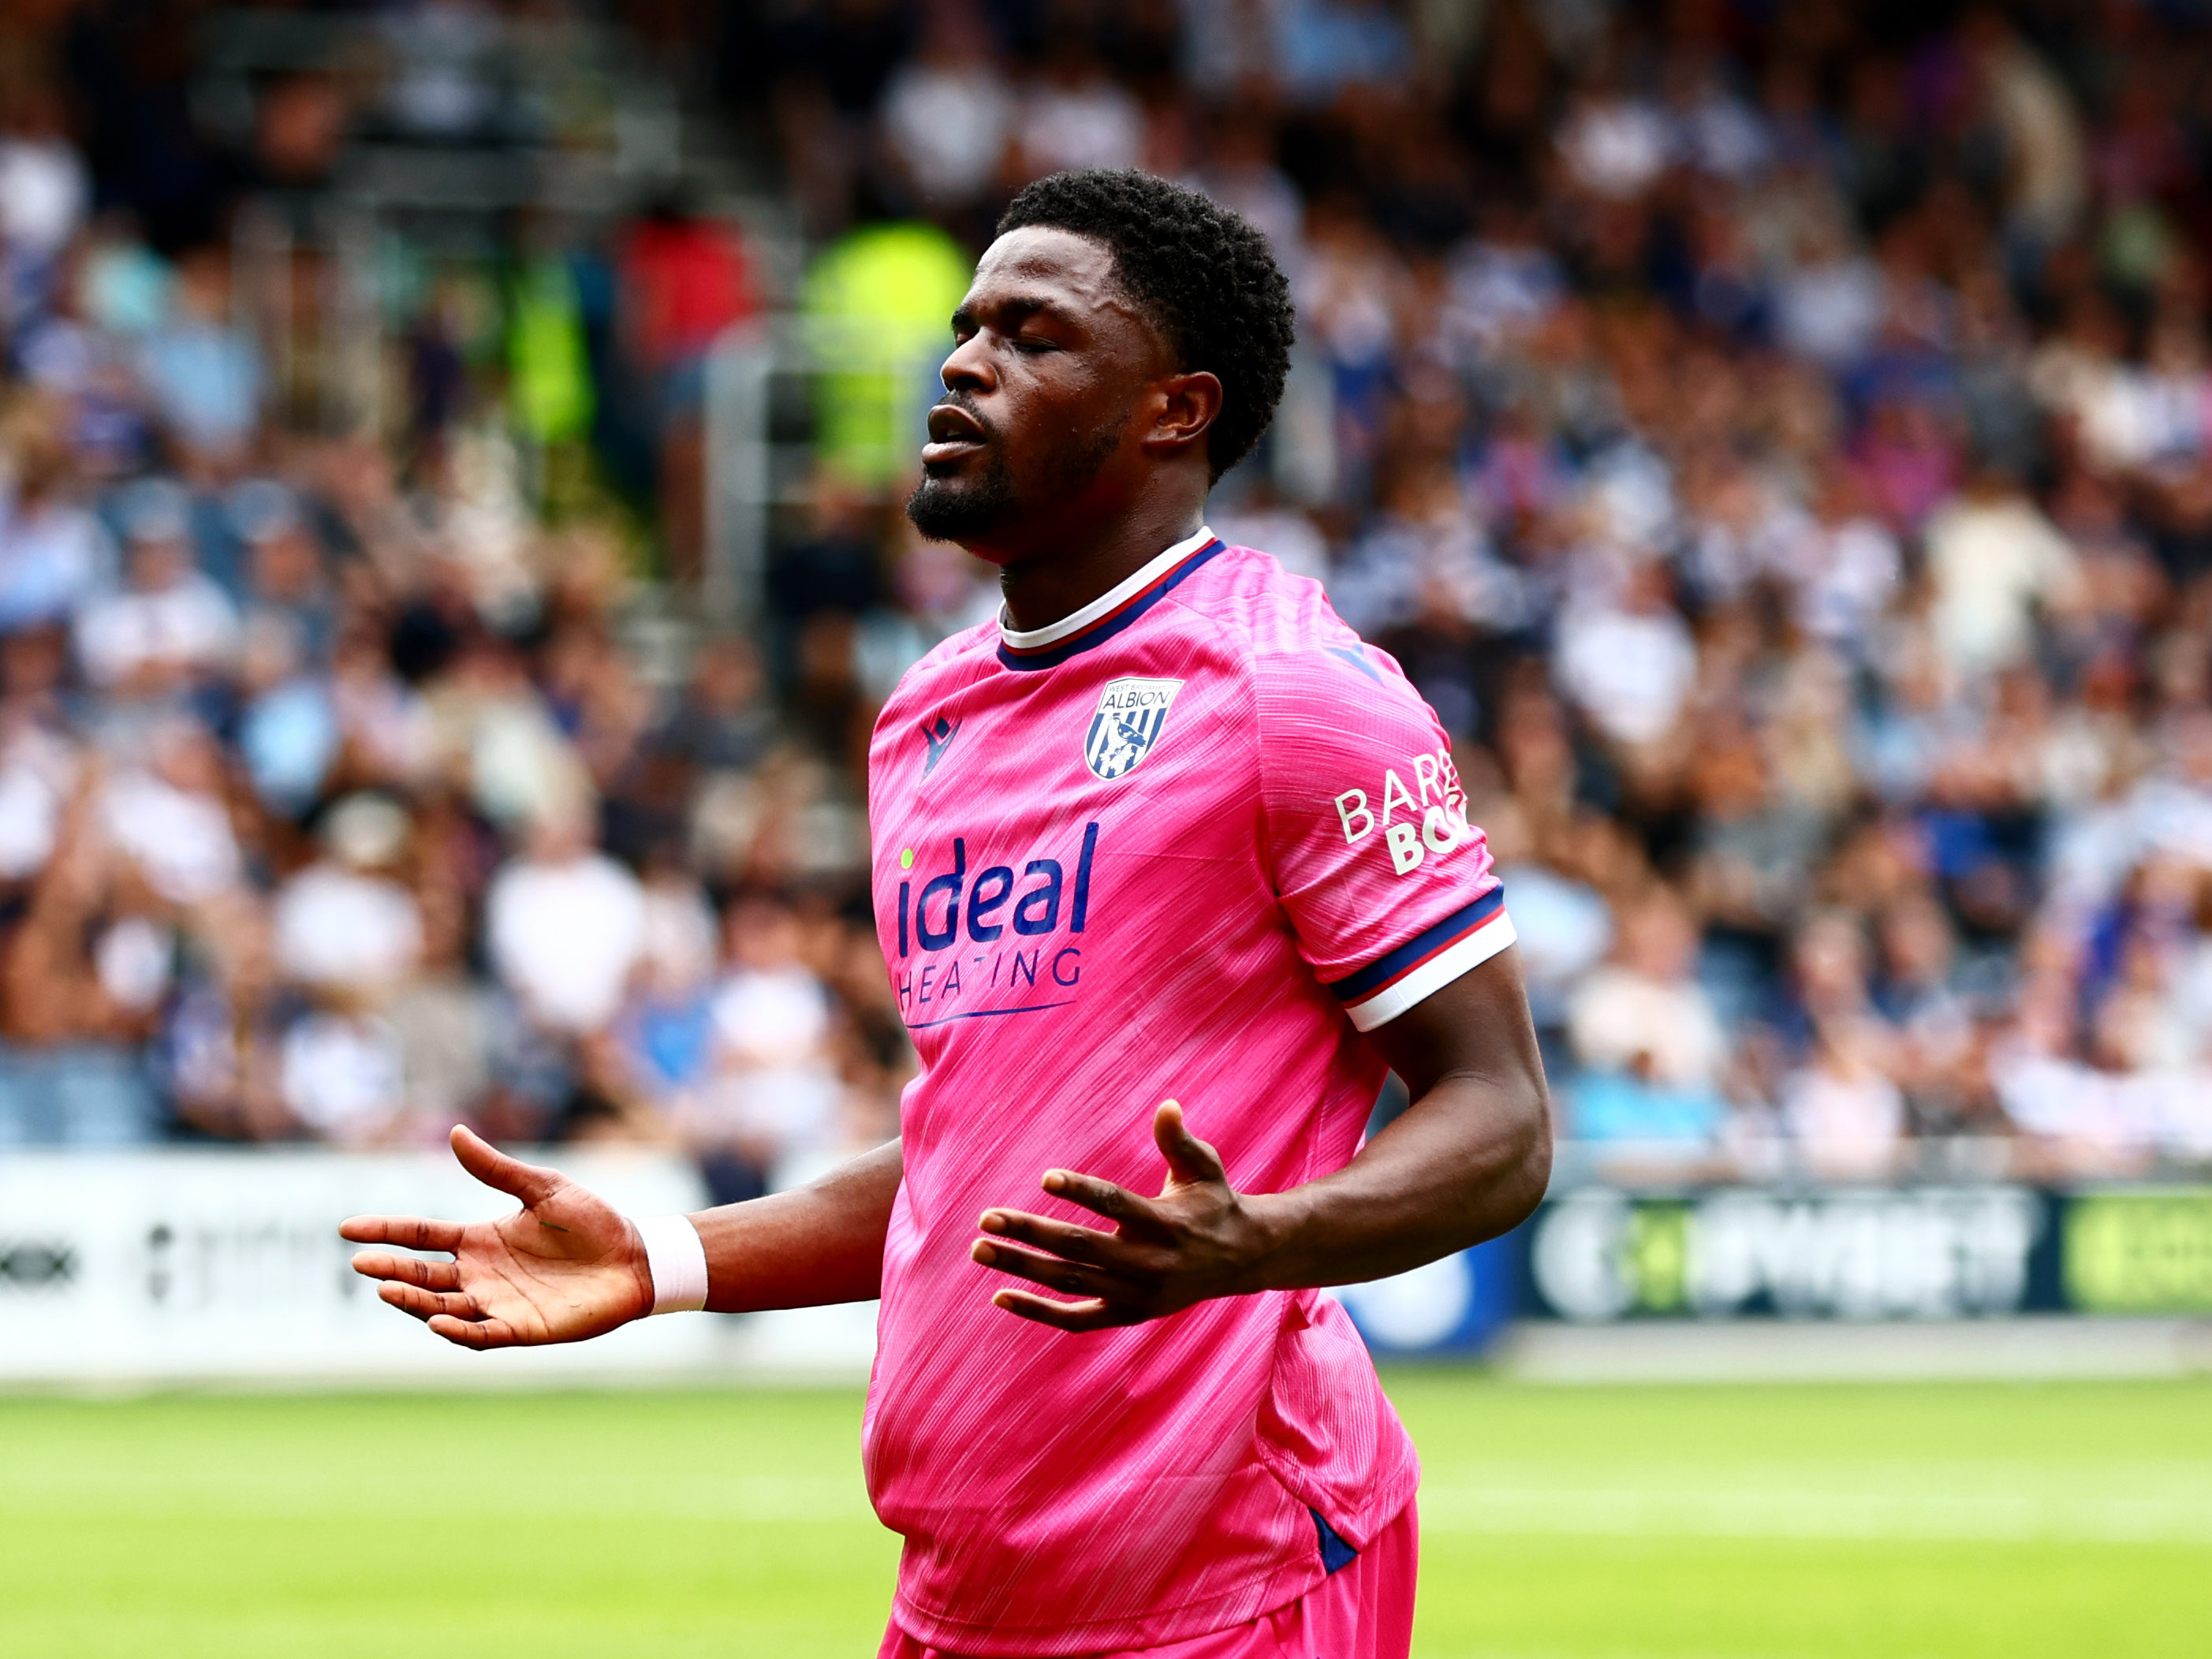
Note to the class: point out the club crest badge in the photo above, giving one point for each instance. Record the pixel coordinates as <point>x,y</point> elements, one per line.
<point>1127,726</point>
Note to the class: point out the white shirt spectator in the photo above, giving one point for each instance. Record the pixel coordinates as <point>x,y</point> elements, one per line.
<point>2049,171</point>
<point>949,123</point>
<point>677,940</point>
<point>1087,122</point>
<point>52,555</point>
<point>2170,812</point>
<point>1844,575</point>
<point>1992,559</point>
<point>341,930</point>
<point>341,1075</point>
<point>1829,310</point>
<point>1616,147</point>
<point>187,625</point>
<point>135,959</point>
<point>1500,291</point>
<point>38,769</point>
<point>1720,134</point>
<point>2134,417</point>
<point>181,839</point>
<point>1348,291</point>
<point>1629,670</point>
<point>564,934</point>
<point>2066,1101</point>
<point>1628,491</point>
<point>30,810</point>
<point>1846,1115</point>
<point>44,190</point>
<point>777,1086</point>
<point>1619,1015</point>
<point>1644,1010</point>
<point>2172,815</point>
<point>1406,567</point>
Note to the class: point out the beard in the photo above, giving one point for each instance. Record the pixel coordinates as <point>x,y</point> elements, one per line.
<point>964,509</point>
<point>967,510</point>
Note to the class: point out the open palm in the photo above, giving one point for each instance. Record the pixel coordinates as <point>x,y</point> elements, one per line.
<point>566,1266</point>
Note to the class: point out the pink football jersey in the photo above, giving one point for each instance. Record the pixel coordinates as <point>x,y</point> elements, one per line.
<point>1186,843</point>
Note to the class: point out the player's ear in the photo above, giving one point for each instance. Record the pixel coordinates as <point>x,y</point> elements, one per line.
<point>1189,404</point>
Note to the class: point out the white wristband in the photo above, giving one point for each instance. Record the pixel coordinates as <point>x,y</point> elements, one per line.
<point>677,1259</point>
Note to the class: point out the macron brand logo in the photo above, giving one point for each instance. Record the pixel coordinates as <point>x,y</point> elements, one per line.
<point>1126,726</point>
<point>938,735</point>
<point>1356,658</point>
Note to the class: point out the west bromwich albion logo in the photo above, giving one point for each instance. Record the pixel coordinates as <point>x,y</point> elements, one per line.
<point>1130,717</point>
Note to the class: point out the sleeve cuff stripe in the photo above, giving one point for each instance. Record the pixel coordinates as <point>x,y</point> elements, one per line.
<point>1423,947</point>
<point>1432,975</point>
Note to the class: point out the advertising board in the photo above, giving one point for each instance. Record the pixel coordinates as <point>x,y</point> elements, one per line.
<point>211,1266</point>
<point>183,1265</point>
<point>1598,1254</point>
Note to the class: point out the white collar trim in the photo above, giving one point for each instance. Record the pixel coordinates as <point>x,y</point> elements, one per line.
<point>1107,603</point>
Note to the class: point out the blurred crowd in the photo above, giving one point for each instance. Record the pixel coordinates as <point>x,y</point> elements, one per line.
<point>343,795</point>
<point>1776,436</point>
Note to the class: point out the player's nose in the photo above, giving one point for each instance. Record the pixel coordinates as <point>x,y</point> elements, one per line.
<point>969,367</point>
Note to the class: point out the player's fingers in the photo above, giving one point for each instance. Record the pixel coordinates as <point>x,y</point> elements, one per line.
<point>1190,1160</point>
<point>425,1304</point>
<point>530,1182</point>
<point>476,1333</point>
<point>1060,1237</point>
<point>1117,1204</point>
<point>410,1232</point>
<point>1053,1273</point>
<point>409,1269</point>
<point>1091,1315</point>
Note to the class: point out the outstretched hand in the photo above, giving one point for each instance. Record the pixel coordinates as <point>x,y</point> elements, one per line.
<point>567,1265</point>
<point>1199,1239</point>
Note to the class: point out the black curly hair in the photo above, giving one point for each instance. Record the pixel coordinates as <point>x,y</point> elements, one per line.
<point>1204,275</point>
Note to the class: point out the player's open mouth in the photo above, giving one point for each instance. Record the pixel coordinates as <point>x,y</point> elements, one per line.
<point>954,432</point>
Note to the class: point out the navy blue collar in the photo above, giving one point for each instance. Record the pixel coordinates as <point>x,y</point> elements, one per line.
<point>1109,614</point>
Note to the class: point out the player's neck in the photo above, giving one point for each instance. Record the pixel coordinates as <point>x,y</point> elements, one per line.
<point>1042,589</point>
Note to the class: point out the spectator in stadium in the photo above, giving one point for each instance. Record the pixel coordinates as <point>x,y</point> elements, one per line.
<point>1646,1032</point>
<point>85,973</point>
<point>774,1094</point>
<point>564,925</point>
<point>667,1029</point>
<point>202,373</point>
<point>949,113</point>
<point>53,553</point>
<point>345,929</point>
<point>170,630</point>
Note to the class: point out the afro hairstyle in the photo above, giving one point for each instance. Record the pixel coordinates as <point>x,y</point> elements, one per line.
<point>1205,277</point>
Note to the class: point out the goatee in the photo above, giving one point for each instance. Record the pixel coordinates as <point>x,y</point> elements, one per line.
<point>961,510</point>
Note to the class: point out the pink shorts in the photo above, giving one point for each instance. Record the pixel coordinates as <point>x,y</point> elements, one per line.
<point>1364,1610</point>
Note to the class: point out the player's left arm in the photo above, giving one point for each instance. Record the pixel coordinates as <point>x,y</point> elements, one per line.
<point>1467,1160</point>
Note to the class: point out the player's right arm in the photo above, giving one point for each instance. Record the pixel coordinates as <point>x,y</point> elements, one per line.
<point>567,1265</point>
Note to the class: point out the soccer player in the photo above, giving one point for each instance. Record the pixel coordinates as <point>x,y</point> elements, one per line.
<point>1169,867</point>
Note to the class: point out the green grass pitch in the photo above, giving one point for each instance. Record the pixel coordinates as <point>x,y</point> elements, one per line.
<point>1733,1523</point>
